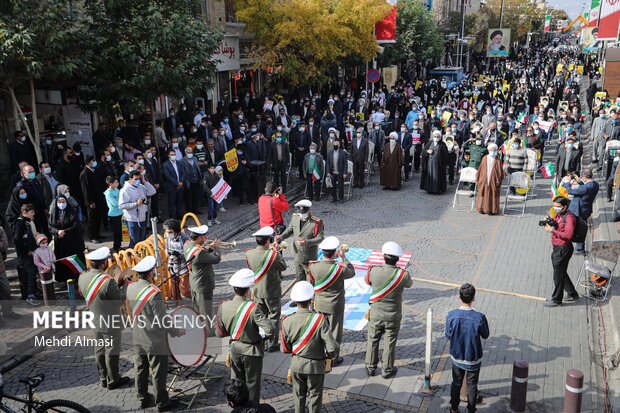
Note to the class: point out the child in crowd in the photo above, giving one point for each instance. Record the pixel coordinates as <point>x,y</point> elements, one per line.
<point>44,258</point>
<point>211,179</point>
<point>175,238</point>
<point>220,172</point>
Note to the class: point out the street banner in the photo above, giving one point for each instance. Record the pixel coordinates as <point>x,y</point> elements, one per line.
<point>220,190</point>
<point>445,118</point>
<point>545,125</point>
<point>610,18</point>
<point>498,42</point>
<point>268,105</point>
<point>547,22</point>
<point>594,12</point>
<point>232,162</point>
<point>385,30</point>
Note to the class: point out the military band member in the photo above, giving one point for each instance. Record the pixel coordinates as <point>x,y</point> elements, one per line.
<point>267,265</point>
<point>103,299</point>
<point>388,282</point>
<point>307,233</point>
<point>240,318</point>
<point>328,277</point>
<point>200,258</point>
<point>149,337</point>
<point>307,335</point>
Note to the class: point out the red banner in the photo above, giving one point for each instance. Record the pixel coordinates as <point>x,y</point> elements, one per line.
<point>609,21</point>
<point>385,30</point>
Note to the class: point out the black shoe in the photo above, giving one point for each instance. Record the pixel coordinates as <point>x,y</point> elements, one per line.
<point>148,402</point>
<point>391,374</point>
<point>609,199</point>
<point>122,381</point>
<point>12,315</point>
<point>552,303</point>
<point>580,252</point>
<point>334,201</point>
<point>338,361</point>
<point>104,384</point>
<point>169,406</point>
<point>370,372</point>
<point>571,297</point>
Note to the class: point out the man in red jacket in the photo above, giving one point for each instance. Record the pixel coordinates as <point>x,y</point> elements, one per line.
<point>271,205</point>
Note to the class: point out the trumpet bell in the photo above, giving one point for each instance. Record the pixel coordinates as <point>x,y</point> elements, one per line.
<point>283,245</point>
<point>344,248</point>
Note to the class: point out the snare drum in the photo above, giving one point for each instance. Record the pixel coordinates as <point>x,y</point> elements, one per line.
<point>189,349</point>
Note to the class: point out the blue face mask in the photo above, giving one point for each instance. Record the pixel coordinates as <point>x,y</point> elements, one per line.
<point>570,128</point>
<point>278,140</point>
<point>48,142</point>
<point>226,120</point>
<point>602,116</point>
<point>31,175</point>
<point>515,146</point>
<point>613,122</point>
<point>570,146</point>
<point>23,196</point>
<point>202,112</point>
<point>181,130</point>
<point>199,146</point>
<point>239,152</point>
<point>94,164</point>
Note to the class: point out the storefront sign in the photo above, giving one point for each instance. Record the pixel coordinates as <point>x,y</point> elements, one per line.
<point>227,55</point>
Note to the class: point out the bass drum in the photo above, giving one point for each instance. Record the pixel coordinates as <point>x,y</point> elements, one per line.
<point>189,349</point>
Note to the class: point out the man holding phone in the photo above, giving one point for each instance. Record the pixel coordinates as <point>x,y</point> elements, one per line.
<point>133,200</point>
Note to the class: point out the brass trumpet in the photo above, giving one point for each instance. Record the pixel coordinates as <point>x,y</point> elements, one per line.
<point>344,248</point>
<point>278,246</point>
<point>223,244</point>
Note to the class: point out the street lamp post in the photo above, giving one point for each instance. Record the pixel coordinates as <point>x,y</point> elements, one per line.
<point>501,14</point>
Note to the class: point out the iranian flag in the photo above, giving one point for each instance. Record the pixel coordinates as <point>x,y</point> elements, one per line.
<point>316,173</point>
<point>610,18</point>
<point>74,264</point>
<point>385,30</point>
<point>547,22</point>
<point>547,170</point>
<point>554,190</point>
<point>522,118</point>
<point>594,12</point>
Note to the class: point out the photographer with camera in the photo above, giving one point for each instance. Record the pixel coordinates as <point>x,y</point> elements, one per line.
<point>271,205</point>
<point>562,229</point>
<point>133,200</point>
<point>584,191</point>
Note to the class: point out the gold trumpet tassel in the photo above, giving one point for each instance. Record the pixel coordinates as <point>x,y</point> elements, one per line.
<point>289,377</point>
<point>228,363</point>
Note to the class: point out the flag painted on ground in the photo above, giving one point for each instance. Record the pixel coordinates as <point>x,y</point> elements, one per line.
<point>316,173</point>
<point>547,170</point>
<point>74,264</point>
<point>357,292</point>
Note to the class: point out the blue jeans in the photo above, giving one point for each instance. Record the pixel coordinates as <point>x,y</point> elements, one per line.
<point>213,207</point>
<point>580,246</point>
<point>137,232</point>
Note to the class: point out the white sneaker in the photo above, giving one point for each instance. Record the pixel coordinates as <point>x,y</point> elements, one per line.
<point>209,223</point>
<point>222,209</point>
<point>217,222</point>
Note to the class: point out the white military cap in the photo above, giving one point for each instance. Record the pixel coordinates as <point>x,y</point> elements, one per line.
<point>329,243</point>
<point>99,254</point>
<point>243,278</point>
<point>302,291</point>
<point>201,230</point>
<point>304,203</point>
<point>392,248</point>
<point>264,232</point>
<point>146,264</point>
<point>492,146</point>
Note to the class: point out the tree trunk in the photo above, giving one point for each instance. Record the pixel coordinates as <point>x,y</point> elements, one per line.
<point>36,139</point>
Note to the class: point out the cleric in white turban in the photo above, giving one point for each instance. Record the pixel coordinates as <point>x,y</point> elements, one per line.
<point>392,160</point>
<point>489,182</point>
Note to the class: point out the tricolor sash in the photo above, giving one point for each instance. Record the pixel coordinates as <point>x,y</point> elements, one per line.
<point>192,252</point>
<point>310,328</point>
<point>94,287</point>
<point>146,294</point>
<point>389,286</point>
<point>265,265</point>
<point>241,319</point>
<point>331,276</point>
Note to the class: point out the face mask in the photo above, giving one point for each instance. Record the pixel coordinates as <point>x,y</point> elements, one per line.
<point>242,128</point>
<point>558,209</point>
<point>113,149</point>
<point>141,161</point>
<point>492,154</point>
<point>147,141</point>
<point>302,130</point>
<point>61,205</point>
<point>253,130</point>
<point>94,164</point>
<point>142,172</point>
<point>23,196</point>
<point>226,120</point>
<point>602,116</point>
<point>31,175</point>
<point>199,146</point>
<point>376,128</point>
<point>149,155</point>
<point>435,139</point>
<point>77,153</point>
<point>239,152</point>
<point>47,170</point>
<point>303,217</point>
<point>433,115</point>
<point>613,122</point>
<point>570,146</point>
<point>472,117</point>
<point>202,112</point>
<point>310,123</point>
<point>312,150</point>
<point>48,142</point>
<point>189,155</point>
<point>453,129</point>
<point>450,146</point>
<point>515,146</point>
<point>279,128</point>
<point>22,139</point>
<point>172,158</point>
<point>175,145</point>
<point>403,130</point>
<point>222,133</point>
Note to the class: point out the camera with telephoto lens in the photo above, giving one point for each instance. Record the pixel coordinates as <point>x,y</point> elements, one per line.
<point>548,221</point>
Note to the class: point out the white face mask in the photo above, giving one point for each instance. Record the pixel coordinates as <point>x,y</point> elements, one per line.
<point>435,139</point>
<point>279,128</point>
<point>141,161</point>
<point>303,217</point>
<point>77,153</point>
<point>172,158</point>
<point>175,145</point>
<point>108,158</point>
<point>47,170</point>
<point>147,141</point>
<point>113,149</point>
<point>190,155</point>
<point>492,154</point>
<point>478,142</point>
<point>61,205</point>
<point>403,130</point>
<point>312,150</point>
<point>149,155</point>
<point>558,209</point>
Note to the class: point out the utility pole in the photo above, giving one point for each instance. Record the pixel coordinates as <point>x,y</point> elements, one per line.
<point>501,15</point>
<point>462,34</point>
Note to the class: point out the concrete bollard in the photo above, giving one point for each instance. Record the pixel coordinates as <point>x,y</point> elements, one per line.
<point>518,391</point>
<point>428,350</point>
<point>573,392</point>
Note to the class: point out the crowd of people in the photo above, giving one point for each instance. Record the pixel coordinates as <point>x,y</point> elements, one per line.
<point>504,118</point>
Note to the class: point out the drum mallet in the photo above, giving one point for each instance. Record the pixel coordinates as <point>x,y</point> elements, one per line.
<point>573,392</point>
<point>518,392</point>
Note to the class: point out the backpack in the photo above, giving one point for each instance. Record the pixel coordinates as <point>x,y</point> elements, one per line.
<point>581,229</point>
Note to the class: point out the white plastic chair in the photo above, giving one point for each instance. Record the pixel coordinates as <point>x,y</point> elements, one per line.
<point>290,165</point>
<point>600,251</point>
<point>520,181</point>
<point>349,181</point>
<point>370,167</point>
<point>532,164</point>
<point>468,176</point>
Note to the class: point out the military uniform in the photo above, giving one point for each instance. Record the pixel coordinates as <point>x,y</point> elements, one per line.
<point>330,300</point>
<point>307,365</point>
<point>149,340</point>
<point>267,290</point>
<point>312,231</point>
<point>202,278</point>
<point>385,313</point>
<point>104,304</point>
<point>246,351</point>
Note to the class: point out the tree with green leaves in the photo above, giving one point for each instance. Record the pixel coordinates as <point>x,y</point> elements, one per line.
<point>139,50</point>
<point>39,39</point>
<point>417,35</point>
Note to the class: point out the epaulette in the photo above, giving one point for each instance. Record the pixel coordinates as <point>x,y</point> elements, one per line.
<point>313,262</point>
<point>316,219</point>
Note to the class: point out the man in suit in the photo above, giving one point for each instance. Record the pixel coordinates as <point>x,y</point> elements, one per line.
<point>301,144</point>
<point>308,360</point>
<point>171,124</point>
<point>267,265</point>
<point>327,276</point>
<point>307,232</point>
<point>568,158</point>
<point>583,198</point>
<point>314,171</point>
<point>214,156</point>
<point>278,161</point>
<point>377,136</point>
<point>153,175</point>
<point>191,186</point>
<point>174,178</point>
<point>405,141</point>
<point>92,189</point>
<point>385,311</point>
<point>336,167</point>
<point>47,182</point>
<point>314,132</point>
<point>359,156</point>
